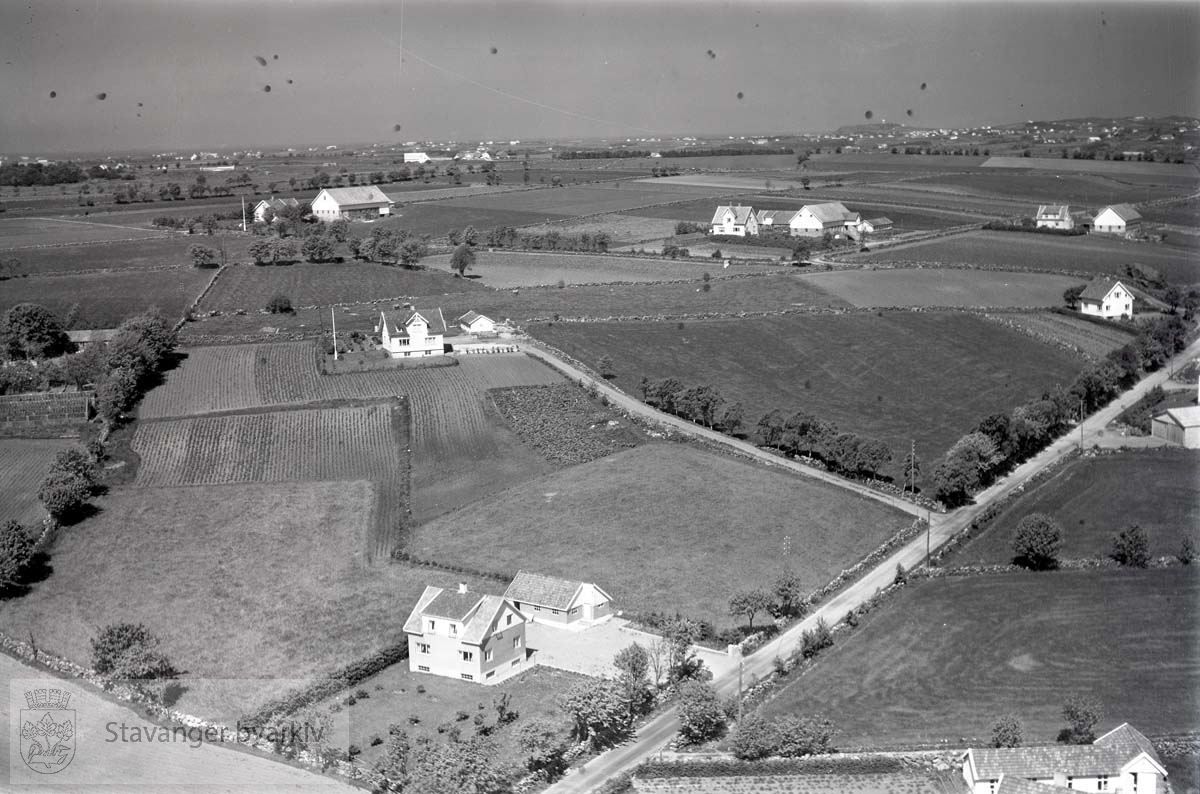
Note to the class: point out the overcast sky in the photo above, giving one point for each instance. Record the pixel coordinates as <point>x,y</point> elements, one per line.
<point>512,69</point>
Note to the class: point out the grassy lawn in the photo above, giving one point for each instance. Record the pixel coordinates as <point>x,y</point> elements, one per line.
<point>1095,497</point>
<point>397,696</point>
<point>1092,190</point>
<point>1095,253</point>
<point>945,657</point>
<point>257,581</point>
<point>105,299</point>
<point>249,287</point>
<point>896,376</point>
<point>23,464</point>
<point>926,287</point>
<point>665,527</point>
<point>438,217</point>
<point>571,201</point>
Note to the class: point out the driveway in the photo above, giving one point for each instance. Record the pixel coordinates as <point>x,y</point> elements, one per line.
<point>591,650</point>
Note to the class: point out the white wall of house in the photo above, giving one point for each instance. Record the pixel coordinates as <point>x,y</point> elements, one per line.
<point>1117,303</point>
<point>1109,222</point>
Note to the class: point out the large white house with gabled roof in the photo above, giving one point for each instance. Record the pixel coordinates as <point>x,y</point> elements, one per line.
<point>465,635</point>
<point>362,202</point>
<point>1054,216</point>
<point>413,333</point>
<point>1122,761</point>
<point>1106,297</point>
<point>554,600</point>
<point>813,220</point>
<point>735,221</point>
<point>1116,219</point>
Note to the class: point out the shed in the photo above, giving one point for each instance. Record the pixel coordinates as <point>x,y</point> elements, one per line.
<point>548,598</point>
<point>1179,426</point>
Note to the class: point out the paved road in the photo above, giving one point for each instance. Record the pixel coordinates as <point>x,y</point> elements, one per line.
<point>639,408</point>
<point>662,728</point>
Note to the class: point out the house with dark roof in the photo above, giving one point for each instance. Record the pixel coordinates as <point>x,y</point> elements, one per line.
<point>1054,216</point>
<point>414,333</point>
<point>275,205</point>
<point>562,601</point>
<point>813,220</point>
<point>362,202</point>
<point>1121,761</point>
<point>736,221</point>
<point>1106,297</point>
<point>1116,219</point>
<point>465,635</point>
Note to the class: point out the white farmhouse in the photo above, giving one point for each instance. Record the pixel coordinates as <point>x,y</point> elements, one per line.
<point>736,221</point>
<point>1116,219</point>
<point>416,333</point>
<point>416,157</point>
<point>363,202</point>
<point>813,220</point>
<point>1054,216</point>
<point>475,323</point>
<point>275,205</point>
<point>1105,297</point>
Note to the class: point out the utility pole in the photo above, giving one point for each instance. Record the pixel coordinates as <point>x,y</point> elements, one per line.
<point>1081,424</point>
<point>928,538</point>
<point>333,321</point>
<point>243,213</point>
<point>741,667</point>
<point>912,468</point>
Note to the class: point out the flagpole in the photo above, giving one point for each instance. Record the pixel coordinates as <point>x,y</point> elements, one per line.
<point>333,320</point>
<point>243,213</point>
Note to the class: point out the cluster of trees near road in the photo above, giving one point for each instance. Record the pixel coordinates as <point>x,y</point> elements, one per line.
<point>703,405</point>
<point>30,174</point>
<point>1002,441</point>
<point>803,434</point>
<point>508,237</point>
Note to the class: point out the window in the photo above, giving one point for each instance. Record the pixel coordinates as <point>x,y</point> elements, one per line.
<point>422,668</point>
<point>515,662</point>
<point>423,647</point>
<point>468,677</point>
<point>1102,783</point>
<point>508,620</point>
<point>468,656</point>
<point>554,612</point>
<point>517,641</point>
<point>1070,782</point>
<point>487,656</point>
<point>490,673</point>
<point>537,608</point>
<point>453,629</point>
<point>432,625</point>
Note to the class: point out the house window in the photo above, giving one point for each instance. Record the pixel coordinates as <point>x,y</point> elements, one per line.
<point>423,647</point>
<point>490,673</point>
<point>468,677</point>
<point>517,641</point>
<point>554,612</point>
<point>453,629</point>
<point>508,620</point>
<point>422,668</point>
<point>468,656</point>
<point>1102,783</point>
<point>1070,782</point>
<point>487,656</point>
<point>432,625</point>
<point>515,662</point>
<point>537,609</point>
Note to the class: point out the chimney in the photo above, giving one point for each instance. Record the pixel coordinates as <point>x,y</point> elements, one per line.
<point>462,587</point>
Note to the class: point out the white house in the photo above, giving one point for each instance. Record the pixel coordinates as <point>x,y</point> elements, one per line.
<point>1105,297</point>
<point>1178,426</point>
<point>559,601</point>
<point>416,157</point>
<point>273,204</point>
<point>1054,216</point>
<point>1116,219</point>
<point>364,201</point>
<point>475,323</point>
<point>875,225</point>
<point>465,635</point>
<point>813,220</point>
<point>1122,761</point>
<point>416,333</point>
<point>774,219</point>
<point>736,221</point>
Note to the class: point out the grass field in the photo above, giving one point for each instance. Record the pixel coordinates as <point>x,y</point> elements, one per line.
<point>666,527</point>
<point>1095,497</point>
<point>438,217</point>
<point>505,270</point>
<point>945,657</point>
<point>1116,167</point>
<point>570,201</point>
<point>1090,338</point>
<point>255,581</point>
<point>935,287</point>
<point>622,227</point>
<point>250,287</point>
<point>1092,190</point>
<point>152,252</point>
<point>105,299</point>
<point>28,232</point>
<point>23,464</point>
<point>897,377</point>
<point>914,196</point>
<point>1093,254</point>
<point>1185,213</point>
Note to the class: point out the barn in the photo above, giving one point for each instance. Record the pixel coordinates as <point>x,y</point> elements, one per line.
<point>1180,426</point>
<point>1116,219</point>
<point>351,203</point>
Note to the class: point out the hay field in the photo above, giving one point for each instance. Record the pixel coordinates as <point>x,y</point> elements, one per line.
<point>23,464</point>
<point>105,299</point>
<point>942,287</point>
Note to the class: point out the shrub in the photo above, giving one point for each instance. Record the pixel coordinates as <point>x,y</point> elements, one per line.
<point>701,717</point>
<point>756,738</point>
<point>462,716</point>
<point>130,651</point>
<point>63,494</point>
<point>1131,547</point>
<point>16,550</point>
<point>1187,550</point>
<point>376,740</point>
<point>801,736</point>
<point>280,304</point>
<point>361,694</point>
<point>1007,732</point>
<point>1082,712</point>
<point>816,639</point>
<point>1037,542</point>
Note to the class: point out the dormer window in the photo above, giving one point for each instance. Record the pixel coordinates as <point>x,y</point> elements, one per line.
<point>432,625</point>
<point>453,629</point>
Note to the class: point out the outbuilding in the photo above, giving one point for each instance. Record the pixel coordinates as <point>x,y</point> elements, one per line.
<point>554,600</point>
<point>1116,219</point>
<point>1180,426</point>
<point>351,203</point>
<point>475,323</point>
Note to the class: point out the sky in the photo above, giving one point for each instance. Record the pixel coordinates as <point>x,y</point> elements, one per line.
<point>181,75</point>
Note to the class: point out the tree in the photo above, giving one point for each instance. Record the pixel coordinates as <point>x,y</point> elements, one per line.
<point>203,256</point>
<point>598,710</point>
<point>127,650</point>
<point>16,550</point>
<point>873,455</point>
<point>816,639</point>
<point>801,736</point>
<point>280,304</point>
<point>116,394</point>
<point>1007,732</point>
<point>1131,547</point>
<point>1082,712</point>
<point>30,331</point>
<point>454,237</point>
<point>633,669</point>
<point>749,603</point>
<point>730,417</point>
<point>604,365</point>
<point>394,764</point>
<point>148,333</point>
<point>541,740</point>
<point>457,767</point>
<point>790,600</point>
<point>63,493</point>
<point>261,251</point>
<point>770,428</point>
<point>462,259</point>
<point>318,248</point>
<point>1037,542</point>
<point>470,235</point>
<point>682,663</point>
<point>756,738</point>
<point>77,462</point>
<point>701,717</point>
<point>411,252</point>
<point>283,251</point>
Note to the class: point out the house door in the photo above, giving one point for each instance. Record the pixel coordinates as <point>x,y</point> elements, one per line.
<point>588,612</point>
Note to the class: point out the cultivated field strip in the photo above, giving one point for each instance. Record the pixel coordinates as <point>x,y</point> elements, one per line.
<point>209,379</point>
<point>23,464</point>
<point>306,445</point>
<point>1091,339</point>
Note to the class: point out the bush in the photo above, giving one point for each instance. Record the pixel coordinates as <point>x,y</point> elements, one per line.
<point>280,304</point>
<point>129,651</point>
<point>756,738</point>
<point>816,639</point>
<point>16,550</point>
<point>1037,542</point>
<point>63,494</point>
<point>1007,732</point>
<point>701,717</point>
<point>1187,550</point>
<point>1131,547</point>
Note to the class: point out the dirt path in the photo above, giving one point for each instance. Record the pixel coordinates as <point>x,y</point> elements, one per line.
<point>662,728</point>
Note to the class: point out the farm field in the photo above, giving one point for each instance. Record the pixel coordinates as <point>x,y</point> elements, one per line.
<point>274,565</point>
<point>1091,190</point>
<point>438,217</point>
<point>28,232</point>
<point>250,287</point>
<point>506,270</point>
<point>1185,213</point>
<point>107,298</point>
<point>896,377</point>
<point>1090,339</point>
<point>1089,255</point>
<point>729,182</point>
<point>941,659</point>
<point>942,287</point>
<point>23,463</point>
<point>666,544</point>
<point>900,163</point>
<point>152,252</point>
<point>1095,497</point>
<point>622,227</point>
<point>571,201</point>
<point>916,196</point>
<point>1121,167</point>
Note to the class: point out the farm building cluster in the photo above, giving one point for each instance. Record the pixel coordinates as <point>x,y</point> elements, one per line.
<point>422,332</point>
<point>1120,219</point>
<point>811,220</point>
<point>481,638</point>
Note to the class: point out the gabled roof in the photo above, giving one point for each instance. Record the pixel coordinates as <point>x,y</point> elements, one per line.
<point>1187,416</point>
<point>358,196</point>
<point>413,624</point>
<point>881,221</point>
<point>741,214</point>
<point>1124,211</point>
<point>547,591</point>
<point>480,623</point>
<point>1054,212</point>
<point>278,203</point>
<point>1099,287</point>
<point>1019,785</point>
<point>1125,738</point>
<point>1108,755</point>
<point>829,212</point>
<point>776,217</point>
<point>476,612</point>
<point>432,317</point>
<point>470,317</point>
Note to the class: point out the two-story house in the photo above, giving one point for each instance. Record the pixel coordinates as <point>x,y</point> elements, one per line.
<point>736,221</point>
<point>465,635</point>
<point>1054,216</point>
<point>415,333</point>
<point>1106,297</point>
